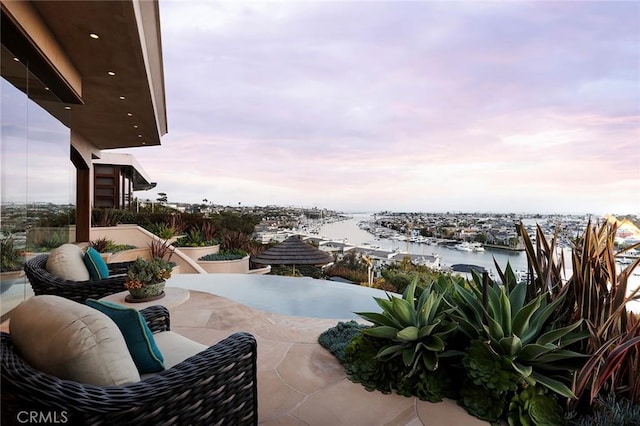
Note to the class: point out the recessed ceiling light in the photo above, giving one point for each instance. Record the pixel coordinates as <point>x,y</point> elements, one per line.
<point>94,36</point>
<point>111,73</point>
<point>144,143</point>
<point>139,136</point>
<point>122,98</point>
<point>135,126</point>
<point>46,88</point>
<point>67,107</point>
<point>129,114</point>
<point>16,59</point>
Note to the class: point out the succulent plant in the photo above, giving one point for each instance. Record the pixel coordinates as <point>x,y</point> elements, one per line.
<point>481,403</point>
<point>143,272</point>
<point>534,406</point>
<point>224,255</point>
<point>336,339</point>
<point>485,369</point>
<point>194,238</point>
<point>364,367</point>
<point>609,411</point>
<point>516,331</point>
<point>430,386</point>
<point>414,331</point>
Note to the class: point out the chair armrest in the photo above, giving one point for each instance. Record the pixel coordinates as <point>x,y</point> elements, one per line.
<point>157,318</point>
<point>118,268</point>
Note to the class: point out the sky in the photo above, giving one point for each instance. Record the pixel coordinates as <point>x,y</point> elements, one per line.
<point>418,106</point>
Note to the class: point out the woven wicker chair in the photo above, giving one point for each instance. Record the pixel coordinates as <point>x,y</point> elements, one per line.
<point>215,387</point>
<point>43,282</point>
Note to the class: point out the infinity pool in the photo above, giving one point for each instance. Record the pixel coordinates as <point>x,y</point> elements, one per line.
<point>303,297</point>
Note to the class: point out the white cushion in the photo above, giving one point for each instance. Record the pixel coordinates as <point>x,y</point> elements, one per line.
<point>175,348</point>
<point>67,261</point>
<point>71,341</point>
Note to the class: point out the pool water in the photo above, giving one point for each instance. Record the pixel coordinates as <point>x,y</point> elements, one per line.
<point>303,297</point>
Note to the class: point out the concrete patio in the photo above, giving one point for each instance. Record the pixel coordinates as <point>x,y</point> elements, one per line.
<point>299,382</point>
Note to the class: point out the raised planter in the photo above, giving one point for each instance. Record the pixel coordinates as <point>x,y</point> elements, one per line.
<point>106,256</point>
<point>235,266</point>
<point>130,255</point>
<point>196,253</point>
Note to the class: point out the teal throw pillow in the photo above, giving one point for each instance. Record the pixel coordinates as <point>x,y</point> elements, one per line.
<point>96,265</point>
<point>142,346</point>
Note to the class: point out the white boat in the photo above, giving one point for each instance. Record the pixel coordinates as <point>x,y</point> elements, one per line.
<point>464,246</point>
<point>467,246</point>
<point>477,247</point>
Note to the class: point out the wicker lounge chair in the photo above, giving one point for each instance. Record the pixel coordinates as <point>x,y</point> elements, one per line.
<point>216,386</point>
<point>43,282</point>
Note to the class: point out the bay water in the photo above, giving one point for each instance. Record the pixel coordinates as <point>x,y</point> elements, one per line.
<point>349,231</point>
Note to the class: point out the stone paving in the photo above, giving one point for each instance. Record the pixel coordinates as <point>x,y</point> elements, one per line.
<point>299,382</point>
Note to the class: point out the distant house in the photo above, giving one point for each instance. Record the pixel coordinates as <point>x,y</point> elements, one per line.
<point>429,261</point>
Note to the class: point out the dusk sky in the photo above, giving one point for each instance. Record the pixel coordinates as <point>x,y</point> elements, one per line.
<point>402,106</point>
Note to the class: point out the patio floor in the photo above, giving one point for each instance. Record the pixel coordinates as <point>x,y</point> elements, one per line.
<point>299,382</point>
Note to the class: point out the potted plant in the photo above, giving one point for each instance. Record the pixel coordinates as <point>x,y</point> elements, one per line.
<point>164,250</point>
<point>12,262</point>
<point>225,261</point>
<point>146,278</point>
<point>197,243</point>
<point>164,231</point>
<point>107,247</point>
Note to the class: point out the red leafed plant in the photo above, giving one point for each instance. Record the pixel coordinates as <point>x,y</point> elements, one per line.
<point>597,294</point>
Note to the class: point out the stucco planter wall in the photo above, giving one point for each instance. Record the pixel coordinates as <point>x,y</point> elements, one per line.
<point>236,266</point>
<point>130,255</point>
<point>196,253</point>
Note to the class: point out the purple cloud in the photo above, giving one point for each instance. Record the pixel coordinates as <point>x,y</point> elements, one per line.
<point>385,105</point>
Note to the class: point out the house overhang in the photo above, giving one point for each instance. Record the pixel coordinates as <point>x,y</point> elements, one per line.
<point>128,163</point>
<point>126,109</point>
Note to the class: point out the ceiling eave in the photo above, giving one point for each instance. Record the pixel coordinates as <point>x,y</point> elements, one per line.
<point>129,45</point>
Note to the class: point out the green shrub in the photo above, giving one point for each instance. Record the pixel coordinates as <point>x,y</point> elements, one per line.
<point>12,257</point>
<point>194,238</point>
<point>105,245</point>
<point>224,255</point>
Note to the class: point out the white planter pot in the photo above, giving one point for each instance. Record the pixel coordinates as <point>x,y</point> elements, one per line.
<point>196,253</point>
<point>236,266</point>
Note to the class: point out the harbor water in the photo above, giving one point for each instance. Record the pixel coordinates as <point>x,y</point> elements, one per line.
<point>350,232</point>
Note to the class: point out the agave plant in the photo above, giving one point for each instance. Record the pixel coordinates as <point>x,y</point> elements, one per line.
<point>162,230</point>
<point>416,331</point>
<point>194,238</point>
<point>515,331</point>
